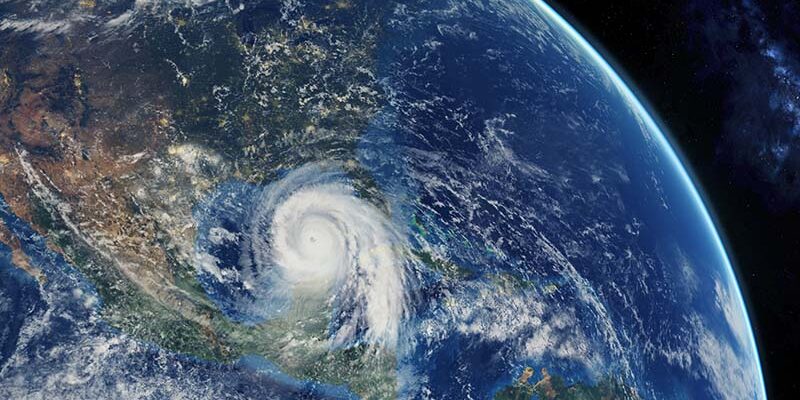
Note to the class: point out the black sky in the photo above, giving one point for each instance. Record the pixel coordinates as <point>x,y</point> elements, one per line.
<point>723,78</point>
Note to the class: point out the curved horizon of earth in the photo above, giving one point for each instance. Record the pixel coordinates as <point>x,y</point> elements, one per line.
<point>346,199</point>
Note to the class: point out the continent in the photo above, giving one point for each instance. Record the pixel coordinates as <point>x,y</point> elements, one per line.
<point>108,165</point>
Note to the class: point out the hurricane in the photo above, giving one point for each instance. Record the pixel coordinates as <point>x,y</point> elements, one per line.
<point>307,246</point>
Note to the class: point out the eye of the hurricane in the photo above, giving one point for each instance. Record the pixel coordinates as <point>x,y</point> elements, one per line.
<point>310,249</point>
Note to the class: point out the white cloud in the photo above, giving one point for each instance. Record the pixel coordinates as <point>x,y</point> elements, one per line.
<point>732,376</point>
<point>734,314</point>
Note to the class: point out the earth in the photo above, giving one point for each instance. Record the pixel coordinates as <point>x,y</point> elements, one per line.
<point>432,199</point>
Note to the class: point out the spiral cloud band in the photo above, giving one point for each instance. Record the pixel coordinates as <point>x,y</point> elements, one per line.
<point>312,241</point>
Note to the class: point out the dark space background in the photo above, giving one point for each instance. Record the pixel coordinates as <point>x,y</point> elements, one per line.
<point>724,78</point>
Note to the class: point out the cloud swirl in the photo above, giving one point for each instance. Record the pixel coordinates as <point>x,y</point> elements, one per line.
<point>312,241</point>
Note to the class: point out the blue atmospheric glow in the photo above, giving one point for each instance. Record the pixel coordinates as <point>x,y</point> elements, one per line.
<point>671,154</point>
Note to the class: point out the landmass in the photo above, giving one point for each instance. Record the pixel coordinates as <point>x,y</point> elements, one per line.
<point>553,387</point>
<point>106,147</point>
